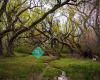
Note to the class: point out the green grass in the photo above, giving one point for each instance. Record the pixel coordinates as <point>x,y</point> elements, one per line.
<point>21,67</point>
<point>78,69</point>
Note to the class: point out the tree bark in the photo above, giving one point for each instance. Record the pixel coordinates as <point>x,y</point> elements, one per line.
<point>10,45</point>
<point>97,23</point>
<point>10,49</point>
<point>1,48</point>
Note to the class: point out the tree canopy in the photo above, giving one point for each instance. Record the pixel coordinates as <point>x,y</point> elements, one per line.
<point>71,23</point>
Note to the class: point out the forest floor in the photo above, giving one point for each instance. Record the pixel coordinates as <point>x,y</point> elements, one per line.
<point>25,67</point>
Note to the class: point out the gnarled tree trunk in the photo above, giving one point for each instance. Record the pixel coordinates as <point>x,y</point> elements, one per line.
<point>10,45</point>
<point>10,49</point>
<point>1,48</point>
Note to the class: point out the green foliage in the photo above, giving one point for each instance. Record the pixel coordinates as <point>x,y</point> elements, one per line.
<point>22,50</point>
<point>65,50</point>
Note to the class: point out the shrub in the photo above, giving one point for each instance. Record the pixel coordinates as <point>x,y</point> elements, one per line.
<point>22,50</point>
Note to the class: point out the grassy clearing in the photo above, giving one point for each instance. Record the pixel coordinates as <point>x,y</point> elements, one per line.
<point>20,68</point>
<point>77,69</point>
